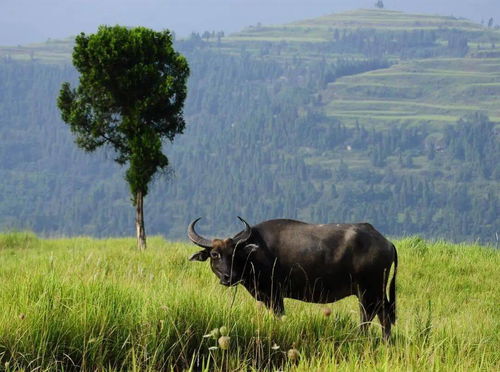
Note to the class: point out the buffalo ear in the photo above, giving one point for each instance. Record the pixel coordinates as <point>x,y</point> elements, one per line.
<point>250,248</point>
<point>200,256</point>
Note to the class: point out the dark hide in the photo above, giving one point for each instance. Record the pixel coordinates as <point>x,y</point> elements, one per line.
<point>312,263</point>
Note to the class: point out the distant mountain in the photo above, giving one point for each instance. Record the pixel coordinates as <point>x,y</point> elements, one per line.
<point>366,115</point>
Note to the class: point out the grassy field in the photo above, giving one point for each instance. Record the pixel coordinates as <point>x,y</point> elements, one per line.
<point>101,305</point>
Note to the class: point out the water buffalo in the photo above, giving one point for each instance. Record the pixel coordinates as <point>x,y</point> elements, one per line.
<point>313,263</point>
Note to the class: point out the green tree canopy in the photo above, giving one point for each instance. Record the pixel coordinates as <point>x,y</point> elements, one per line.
<point>130,97</point>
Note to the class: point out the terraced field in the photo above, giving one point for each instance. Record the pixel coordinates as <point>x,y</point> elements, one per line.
<point>320,29</point>
<point>437,91</point>
<point>53,51</point>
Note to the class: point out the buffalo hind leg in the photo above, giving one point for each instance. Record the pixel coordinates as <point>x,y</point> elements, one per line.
<point>373,301</point>
<point>384,316</point>
<point>371,306</point>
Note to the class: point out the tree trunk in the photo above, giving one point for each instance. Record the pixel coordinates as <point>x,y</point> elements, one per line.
<point>139,221</point>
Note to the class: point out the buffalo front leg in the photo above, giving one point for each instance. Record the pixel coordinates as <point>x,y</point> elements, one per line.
<point>277,306</point>
<point>274,303</point>
<point>368,309</point>
<point>271,298</point>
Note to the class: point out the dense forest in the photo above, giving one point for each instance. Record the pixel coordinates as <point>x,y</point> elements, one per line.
<point>258,144</point>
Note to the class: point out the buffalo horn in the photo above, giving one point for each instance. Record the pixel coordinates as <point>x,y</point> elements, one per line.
<point>248,231</point>
<point>197,239</point>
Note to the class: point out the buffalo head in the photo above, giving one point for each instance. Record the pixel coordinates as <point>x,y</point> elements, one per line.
<point>228,257</point>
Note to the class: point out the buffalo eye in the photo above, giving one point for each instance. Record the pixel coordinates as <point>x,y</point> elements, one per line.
<point>215,255</point>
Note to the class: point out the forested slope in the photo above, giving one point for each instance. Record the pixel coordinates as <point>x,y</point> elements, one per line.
<point>266,138</point>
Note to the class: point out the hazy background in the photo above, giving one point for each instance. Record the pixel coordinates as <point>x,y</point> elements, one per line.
<point>31,21</point>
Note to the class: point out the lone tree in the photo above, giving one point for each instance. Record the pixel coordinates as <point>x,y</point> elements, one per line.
<point>130,97</point>
<point>379,4</point>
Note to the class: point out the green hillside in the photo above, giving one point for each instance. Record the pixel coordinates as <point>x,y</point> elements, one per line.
<point>369,115</point>
<point>297,37</point>
<point>86,304</point>
<point>431,90</point>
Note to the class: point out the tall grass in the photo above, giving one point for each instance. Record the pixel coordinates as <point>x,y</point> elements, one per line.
<point>100,305</point>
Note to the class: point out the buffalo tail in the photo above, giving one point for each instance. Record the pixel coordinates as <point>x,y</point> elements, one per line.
<point>392,289</point>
